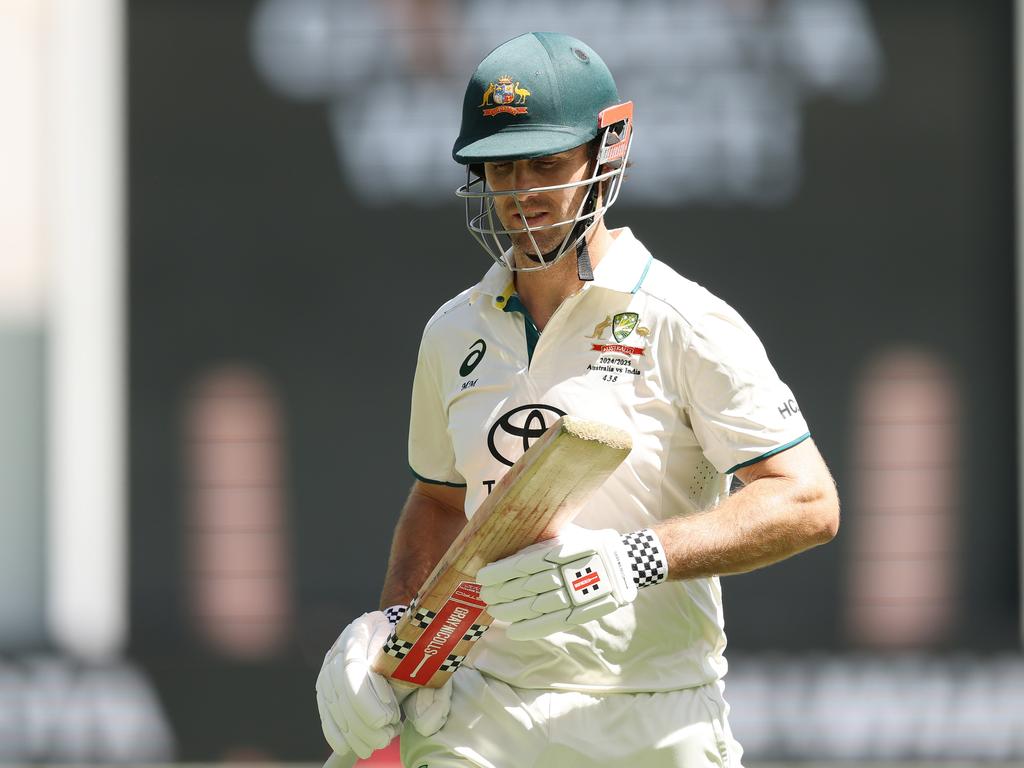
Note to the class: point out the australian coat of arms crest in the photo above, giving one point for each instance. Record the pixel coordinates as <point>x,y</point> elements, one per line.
<point>505,96</point>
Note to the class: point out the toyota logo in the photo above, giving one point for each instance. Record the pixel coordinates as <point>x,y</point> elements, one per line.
<point>526,423</point>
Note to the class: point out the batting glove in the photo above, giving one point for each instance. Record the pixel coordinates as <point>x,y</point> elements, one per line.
<point>579,576</point>
<point>360,711</point>
<point>358,708</point>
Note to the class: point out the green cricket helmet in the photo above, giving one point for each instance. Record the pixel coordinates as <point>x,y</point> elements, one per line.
<point>540,94</point>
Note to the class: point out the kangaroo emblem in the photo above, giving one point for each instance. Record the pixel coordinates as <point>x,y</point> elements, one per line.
<point>601,327</point>
<point>487,95</point>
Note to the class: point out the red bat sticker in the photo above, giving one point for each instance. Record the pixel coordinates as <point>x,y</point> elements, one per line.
<point>444,632</point>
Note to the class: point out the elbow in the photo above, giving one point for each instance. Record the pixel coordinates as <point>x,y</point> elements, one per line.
<point>818,505</point>
<point>826,514</point>
<point>829,527</point>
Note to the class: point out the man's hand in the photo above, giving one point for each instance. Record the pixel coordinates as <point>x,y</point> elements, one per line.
<point>579,576</point>
<point>427,708</point>
<point>359,709</point>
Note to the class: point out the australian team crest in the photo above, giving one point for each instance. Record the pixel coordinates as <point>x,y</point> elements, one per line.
<point>505,96</point>
<point>623,324</point>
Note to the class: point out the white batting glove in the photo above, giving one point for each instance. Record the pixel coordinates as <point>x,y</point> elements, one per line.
<point>427,708</point>
<point>579,576</point>
<point>358,708</point>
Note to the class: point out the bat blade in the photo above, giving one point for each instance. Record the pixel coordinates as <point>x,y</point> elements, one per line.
<point>540,494</point>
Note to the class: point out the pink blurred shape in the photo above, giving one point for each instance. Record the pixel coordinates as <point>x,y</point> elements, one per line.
<point>239,575</point>
<point>905,496</point>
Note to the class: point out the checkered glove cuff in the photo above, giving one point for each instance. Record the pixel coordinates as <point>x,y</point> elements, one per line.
<point>394,613</point>
<point>646,556</point>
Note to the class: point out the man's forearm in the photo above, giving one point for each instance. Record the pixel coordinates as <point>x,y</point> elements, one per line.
<point>767,521</point>
<point>424,531</point>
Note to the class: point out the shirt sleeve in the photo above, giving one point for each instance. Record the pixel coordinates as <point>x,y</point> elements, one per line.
<point>740,411</point>
<point>431,455</point>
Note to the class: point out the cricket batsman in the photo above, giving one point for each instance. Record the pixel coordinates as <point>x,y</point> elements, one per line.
<point>620,663</point>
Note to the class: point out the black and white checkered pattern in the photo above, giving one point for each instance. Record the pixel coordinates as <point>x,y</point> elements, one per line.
<point>423,617</point>
<point>593,587</point>
<point>395,647</point>
<point>451,663</point>
<point>394,613</point>
<point>647,557</point>
<point>475,633</point>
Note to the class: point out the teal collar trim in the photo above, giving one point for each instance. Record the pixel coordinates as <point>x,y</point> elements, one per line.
<point>513,304</point>
<point>625,266</point>
<point>647,268</point>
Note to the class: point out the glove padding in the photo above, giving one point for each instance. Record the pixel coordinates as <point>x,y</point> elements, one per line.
<point>360,711</point>
<point>579,576</point>
<point>427,708</point>
<point>358,707</point>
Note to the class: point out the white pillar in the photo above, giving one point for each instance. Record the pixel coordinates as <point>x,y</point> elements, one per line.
<point>87,595</point>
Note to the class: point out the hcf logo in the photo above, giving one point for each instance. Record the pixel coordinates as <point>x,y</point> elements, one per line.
<point>523,425</point>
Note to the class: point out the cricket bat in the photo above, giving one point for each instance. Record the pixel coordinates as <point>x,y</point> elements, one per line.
<point>541,493</point>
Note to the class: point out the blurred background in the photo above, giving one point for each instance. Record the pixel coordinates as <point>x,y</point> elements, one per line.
<point>224,224</point>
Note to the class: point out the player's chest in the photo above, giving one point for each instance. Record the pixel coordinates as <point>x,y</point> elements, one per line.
<point>595,344</point>
<point>507,384</point>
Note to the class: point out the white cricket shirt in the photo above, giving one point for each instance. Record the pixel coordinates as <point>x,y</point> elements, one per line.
<point>643,349</point>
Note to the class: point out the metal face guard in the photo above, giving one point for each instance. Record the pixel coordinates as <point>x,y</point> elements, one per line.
<point>485,227</point>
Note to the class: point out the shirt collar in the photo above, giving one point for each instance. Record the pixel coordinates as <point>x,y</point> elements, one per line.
<point>496,284</point>
<point>623,269</point>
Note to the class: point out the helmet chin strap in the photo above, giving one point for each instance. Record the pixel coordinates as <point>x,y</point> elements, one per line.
<point>583,267</point>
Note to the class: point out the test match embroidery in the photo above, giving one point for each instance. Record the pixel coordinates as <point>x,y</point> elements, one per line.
<point>626,338</point>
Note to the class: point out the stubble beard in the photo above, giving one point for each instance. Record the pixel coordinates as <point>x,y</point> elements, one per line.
<point>547,240</point>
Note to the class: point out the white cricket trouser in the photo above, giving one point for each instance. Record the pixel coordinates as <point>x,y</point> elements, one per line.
<point>493,725</point>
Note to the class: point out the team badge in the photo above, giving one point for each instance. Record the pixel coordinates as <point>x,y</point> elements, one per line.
<point>505,96</point>
<point>623,324</point>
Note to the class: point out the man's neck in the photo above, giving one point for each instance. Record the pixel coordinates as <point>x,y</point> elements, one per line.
<point>544,290</point>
